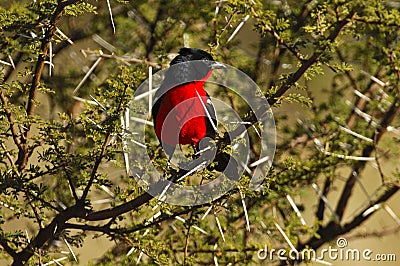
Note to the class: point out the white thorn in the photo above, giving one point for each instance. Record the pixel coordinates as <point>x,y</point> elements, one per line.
<point>238,28</point>
<point>325,200</point>
<point>56,261</point>
<point>50,58</point>
<point>206,213</point>
<point>199,229</point>
<point>141,120</point>
<point>180,219</point>
<point>356,134</point>
<point>130,251</point>
<point>259,161</point>
<point>296,210</point>
<point>87,74</point>
<point>375,79</point>
<point>391,213</point>
<point>108,46</point>
<point>150,88</point>
<point>207,113</point>
<point>99,104</point>
<point>107,190</point>
<point>244,209</point>
<point>371,210</point>
<point>140,257</point>
<point>219,226</point>
<point>11,61</point>
<point>145,94</point>
<point>70,249</point>
<point>111,15</point>
<point>192,171</point>
<point>5,63</point>
<point>362,186</point>
<point>64,36</point>
<point>285,237</point>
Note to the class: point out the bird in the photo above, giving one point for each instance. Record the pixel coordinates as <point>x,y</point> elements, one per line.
<point>183,112</point>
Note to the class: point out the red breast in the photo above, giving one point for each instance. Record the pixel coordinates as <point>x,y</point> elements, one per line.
<point>181,118</point>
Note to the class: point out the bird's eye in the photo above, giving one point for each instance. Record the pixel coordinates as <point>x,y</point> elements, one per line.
<point>204,59</point>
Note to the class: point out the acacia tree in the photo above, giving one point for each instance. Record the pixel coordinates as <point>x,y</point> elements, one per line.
<point>62,137</point>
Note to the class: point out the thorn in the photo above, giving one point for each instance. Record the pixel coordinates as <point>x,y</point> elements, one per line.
<point>199,229</point>
<point>143,95</point>
<point>60,203</point>
<point>238,28</point>
<point>322,196</point>
<point>219,226</point>
<point>375,79</point>
<point>356,134</point>
<point>5,63</point>
<point>64,36</point>
<point>83,100</point>
<point>362,186</point>
<point>139,144</point>
<point>296,210</point>
<point>140,257</point>
<point>50,58</point>
<point>207,113</point>
<point>107,190</point>
<point>215,257</point>
<point>99,104</point>
<point>371,210</point>
<point>362,96</point>
<point>111,15</point>
<point>130,251</point>
<point>285,237</point>
<point>259,161</point>
<point>103,43</point>
<point>392,213</point>
<point>102,201</point>
<point>141,120</point>
<point>180,219</point>
<point>245,210</point>
<point>150,88</point>
<point>56,261</point>
<point>11,61</point>
<point>125,127</point>
<point>27,236</point>
<point>164,191</point>
<point>203,150</point>
<point>94,123</point>
<point>70,249</point>
<point>87,74</point>
<point>192,171</point>
<point>206,213</point>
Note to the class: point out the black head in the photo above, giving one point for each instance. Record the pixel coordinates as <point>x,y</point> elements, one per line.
<point>191,54</point>
<point>191,64</point>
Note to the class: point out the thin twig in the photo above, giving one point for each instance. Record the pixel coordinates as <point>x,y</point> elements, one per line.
<point>123,59</point>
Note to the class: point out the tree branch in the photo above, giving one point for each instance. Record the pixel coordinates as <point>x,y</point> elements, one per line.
<point>48,232</point>
<point>23,154</point>
<point>351,180</point>
<point>309,62</point>
<point>332,230</point>
<point>10,118</point>
<point>7,248</point>
<point>95,168</point>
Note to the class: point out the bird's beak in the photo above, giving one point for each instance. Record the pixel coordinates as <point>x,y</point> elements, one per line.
<point>217,65</point>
